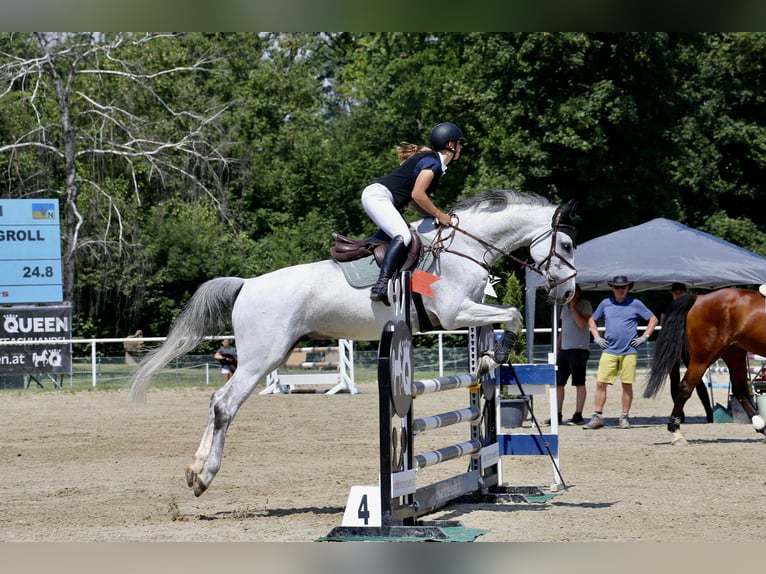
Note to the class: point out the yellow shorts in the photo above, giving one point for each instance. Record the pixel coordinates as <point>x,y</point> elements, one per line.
<point>609,366</point>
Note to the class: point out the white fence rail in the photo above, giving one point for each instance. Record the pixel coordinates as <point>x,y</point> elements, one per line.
<point>97,362</point>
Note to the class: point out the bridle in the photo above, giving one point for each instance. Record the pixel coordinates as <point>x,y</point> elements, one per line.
<point>442,242</point>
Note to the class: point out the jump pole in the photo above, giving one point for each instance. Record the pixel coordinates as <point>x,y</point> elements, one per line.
<point>392,509</point>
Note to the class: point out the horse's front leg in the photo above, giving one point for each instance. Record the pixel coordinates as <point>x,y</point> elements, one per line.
<point>736,359</point>
<point>759,424</point>
<point>477,314</point>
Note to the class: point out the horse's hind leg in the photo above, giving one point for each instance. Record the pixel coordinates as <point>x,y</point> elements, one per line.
<point>224,405</point>
<point>194,470</point>
<point>736,359</point>
<point>692,377</point>
<point>681,395</point>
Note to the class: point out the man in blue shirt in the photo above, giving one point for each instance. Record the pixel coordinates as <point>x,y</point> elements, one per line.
<point>621,313</point>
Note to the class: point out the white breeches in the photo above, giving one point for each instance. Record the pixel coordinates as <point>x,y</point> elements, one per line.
<point>378,202</point>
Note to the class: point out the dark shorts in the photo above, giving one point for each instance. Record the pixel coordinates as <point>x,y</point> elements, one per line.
<point>571,362</point>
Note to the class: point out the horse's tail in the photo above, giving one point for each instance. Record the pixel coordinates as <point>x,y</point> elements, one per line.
<point>671,344</point>
<point>205,313</point>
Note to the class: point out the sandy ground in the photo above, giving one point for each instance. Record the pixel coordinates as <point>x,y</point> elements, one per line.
<point>91,466</point>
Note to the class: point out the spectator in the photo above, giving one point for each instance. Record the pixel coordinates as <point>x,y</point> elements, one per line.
<point>620,312</point>
<point>134,349</point>
<point>679,290</point>
<point>227,356</point>
<point>573,353</point>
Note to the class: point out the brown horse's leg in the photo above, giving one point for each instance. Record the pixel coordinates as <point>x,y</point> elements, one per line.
<point>736,359</point>
<point>691,379</point>
<point>682,394</point>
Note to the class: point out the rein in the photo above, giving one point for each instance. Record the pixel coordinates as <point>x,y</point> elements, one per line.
<point>439,245</point>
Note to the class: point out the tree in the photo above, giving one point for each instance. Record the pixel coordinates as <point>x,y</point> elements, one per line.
<point>100,123</point>
<point>721,162</point>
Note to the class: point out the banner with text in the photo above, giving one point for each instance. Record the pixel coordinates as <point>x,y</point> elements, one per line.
<point>36,331</point>
<point>30,251</point>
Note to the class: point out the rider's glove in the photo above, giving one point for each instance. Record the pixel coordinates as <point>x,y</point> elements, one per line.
<point>638,341</point>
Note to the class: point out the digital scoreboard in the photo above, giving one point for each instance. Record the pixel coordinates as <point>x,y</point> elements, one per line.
<point>30,251</point>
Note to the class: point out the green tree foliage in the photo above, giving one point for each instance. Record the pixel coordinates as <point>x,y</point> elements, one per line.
<point>275,135</point>
<point>721,156</point>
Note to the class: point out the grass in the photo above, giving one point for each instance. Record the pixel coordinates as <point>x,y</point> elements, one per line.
<point>189,371</point>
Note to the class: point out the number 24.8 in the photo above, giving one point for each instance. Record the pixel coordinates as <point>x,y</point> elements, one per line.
<point>37,272</point>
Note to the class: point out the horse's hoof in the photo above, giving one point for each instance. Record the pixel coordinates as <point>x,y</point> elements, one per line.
<point>485,365</point>
<point>758,423</point>
<point>199,488</point>
<point>193,481</point>
<point>678,439</point>
<point>190,476</point>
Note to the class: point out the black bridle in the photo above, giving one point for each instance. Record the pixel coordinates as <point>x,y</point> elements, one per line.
<point>561,222</point>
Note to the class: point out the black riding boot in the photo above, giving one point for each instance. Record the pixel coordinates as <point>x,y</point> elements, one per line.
<point>397,252</point>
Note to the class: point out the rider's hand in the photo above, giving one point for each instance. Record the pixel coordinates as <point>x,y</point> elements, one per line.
<point>601,342</point>
<point>638,341</point>
<point>444,219</point>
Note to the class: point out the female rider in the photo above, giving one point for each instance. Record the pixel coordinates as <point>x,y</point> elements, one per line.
<point>385,197</point>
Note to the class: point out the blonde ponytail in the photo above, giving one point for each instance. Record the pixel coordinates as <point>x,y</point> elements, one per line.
<point>406,150</point>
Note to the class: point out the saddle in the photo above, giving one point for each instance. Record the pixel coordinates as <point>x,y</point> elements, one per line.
<point>349,249</point>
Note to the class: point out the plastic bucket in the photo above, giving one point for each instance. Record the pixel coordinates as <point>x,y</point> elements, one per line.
<point>513,412</point>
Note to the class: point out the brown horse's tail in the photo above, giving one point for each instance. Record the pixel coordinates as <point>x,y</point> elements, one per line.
<point>671,345</point>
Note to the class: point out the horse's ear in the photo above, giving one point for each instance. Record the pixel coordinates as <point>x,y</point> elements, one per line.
<point>565,215</point>
<point>570,209</point>
<point>563,219</point>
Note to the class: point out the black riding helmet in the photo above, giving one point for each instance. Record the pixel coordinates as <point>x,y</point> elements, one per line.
<point>442,134</point>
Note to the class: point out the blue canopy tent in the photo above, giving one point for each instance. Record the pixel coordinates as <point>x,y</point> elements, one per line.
<point>653,255</point>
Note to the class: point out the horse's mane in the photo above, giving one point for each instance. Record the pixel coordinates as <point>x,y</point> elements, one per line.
<point>501,198</point>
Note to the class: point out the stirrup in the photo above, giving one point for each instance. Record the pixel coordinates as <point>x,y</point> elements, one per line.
<point>379,292</point>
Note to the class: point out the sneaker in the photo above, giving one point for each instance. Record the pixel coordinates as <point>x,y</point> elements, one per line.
<point>576,420</point>
<point>547,422</point>
<point>596,422</point>
<point>624,422</point>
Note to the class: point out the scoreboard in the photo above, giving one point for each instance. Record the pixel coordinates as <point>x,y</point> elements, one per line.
<point>30,251</point>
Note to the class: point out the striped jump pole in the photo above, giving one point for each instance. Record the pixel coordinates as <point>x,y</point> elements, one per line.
<point>402,500</point>
<point>444,384</point>
<point>445,419</point>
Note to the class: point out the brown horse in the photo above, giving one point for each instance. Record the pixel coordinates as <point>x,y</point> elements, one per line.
<point>723,324</point>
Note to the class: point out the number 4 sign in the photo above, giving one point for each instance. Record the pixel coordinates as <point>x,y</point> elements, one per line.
<point>363,507</point>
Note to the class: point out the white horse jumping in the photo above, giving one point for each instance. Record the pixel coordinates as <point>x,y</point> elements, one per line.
<point>271,313</point>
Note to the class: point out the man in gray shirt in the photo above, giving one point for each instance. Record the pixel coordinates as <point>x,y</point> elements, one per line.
<point>573,353</point>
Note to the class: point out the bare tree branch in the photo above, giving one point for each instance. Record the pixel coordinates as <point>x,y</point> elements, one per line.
<point>71,117</point>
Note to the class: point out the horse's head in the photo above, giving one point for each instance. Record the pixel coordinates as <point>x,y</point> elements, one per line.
<point>553,253</point>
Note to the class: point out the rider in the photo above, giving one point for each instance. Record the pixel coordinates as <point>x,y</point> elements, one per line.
<point>385,197</point>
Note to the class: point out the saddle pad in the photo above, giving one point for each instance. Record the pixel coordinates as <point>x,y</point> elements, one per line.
<point>364,272</point>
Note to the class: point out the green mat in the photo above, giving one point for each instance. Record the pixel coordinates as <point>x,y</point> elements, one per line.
<point>523,494</point>
<point>721,414</point>
<point>405,534</point>
<point>542,497</point>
